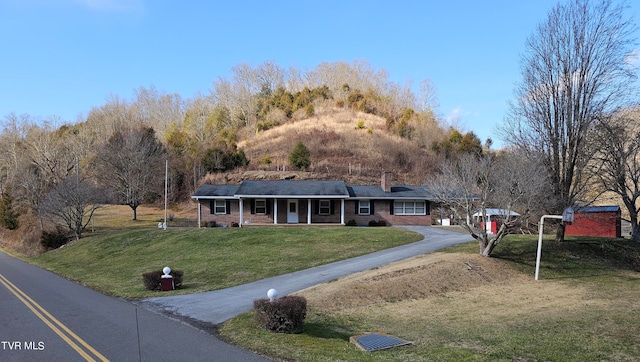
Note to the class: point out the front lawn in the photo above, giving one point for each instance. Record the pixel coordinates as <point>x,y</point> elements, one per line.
<point>455,305</point>
<point>211,258</point>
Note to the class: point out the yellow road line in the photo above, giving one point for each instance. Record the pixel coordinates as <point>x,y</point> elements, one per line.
<point>51,321</point>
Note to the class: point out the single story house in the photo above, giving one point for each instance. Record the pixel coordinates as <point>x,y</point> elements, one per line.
<point>602,221</point>
<point>312,202</point>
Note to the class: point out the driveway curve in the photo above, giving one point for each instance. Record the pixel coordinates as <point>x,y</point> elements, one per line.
<point>220,305</point>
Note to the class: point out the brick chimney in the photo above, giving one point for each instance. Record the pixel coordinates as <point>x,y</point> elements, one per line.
<point>385,182</point>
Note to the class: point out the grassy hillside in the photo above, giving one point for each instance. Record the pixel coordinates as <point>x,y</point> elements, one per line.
<point>211,258</point>
<point>344,144</point>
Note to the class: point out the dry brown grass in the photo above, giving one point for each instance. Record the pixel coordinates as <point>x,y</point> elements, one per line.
<point>415,289</point>
<point>461,306</point>
<point>340,149</point>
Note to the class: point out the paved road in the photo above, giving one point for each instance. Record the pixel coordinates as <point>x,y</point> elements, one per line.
<point>44,317</point>
<point>220,305</point>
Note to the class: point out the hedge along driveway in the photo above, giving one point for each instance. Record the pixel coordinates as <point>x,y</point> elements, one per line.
<point>211,259</point>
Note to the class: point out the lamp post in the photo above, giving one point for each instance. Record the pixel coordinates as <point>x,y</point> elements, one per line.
<point>566,217</point>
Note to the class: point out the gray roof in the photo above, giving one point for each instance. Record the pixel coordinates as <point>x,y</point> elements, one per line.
<point>215,191</point>
<point>592,209</point>
<point>397,192</point>
<point>301,188</point>
<point>308,189</point>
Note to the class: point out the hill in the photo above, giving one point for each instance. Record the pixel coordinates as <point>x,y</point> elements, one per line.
<point>344,144</point>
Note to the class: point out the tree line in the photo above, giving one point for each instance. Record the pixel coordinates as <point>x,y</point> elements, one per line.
<point>54,174</point>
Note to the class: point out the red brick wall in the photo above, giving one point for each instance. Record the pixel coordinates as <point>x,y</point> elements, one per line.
<point>382,211</point>
<point>220,219</point>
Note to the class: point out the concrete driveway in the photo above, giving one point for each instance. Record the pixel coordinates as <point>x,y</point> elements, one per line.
<point>220,305</point>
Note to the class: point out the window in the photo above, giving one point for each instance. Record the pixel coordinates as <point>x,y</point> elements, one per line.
<point>410,208</point>
<point>220,206</point>
<point>364,207</point>
<point>325,207</point>
<point>261,206</point>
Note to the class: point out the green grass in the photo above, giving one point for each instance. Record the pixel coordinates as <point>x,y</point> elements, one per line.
<point>461,327</point>
<point>211,258</point>
<point>602,325</point>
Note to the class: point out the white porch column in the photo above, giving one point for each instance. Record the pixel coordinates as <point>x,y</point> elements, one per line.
<point>309,211</point>
<point>275,211</point>
<point>199,214</point>
<point>342,211</point>
<point>241,212</point>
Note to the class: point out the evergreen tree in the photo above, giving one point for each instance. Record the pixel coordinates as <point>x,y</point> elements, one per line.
<point>8,217</point>
<point>300,157</point>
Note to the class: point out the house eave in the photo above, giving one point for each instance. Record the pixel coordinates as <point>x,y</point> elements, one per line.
<point>292,196</point>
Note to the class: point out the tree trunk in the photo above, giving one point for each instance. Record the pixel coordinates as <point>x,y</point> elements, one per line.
<point>135,213</point>
<point>560,233</point>
<point>487,246</point>
<point>635,231</point>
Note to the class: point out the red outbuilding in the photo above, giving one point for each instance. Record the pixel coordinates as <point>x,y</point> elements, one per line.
<point>601,221</point>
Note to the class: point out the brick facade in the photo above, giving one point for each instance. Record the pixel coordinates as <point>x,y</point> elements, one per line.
<point>313,202</point>
<point>382,211</point>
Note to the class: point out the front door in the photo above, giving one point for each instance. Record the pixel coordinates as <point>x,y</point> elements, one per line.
<point>292,212</point>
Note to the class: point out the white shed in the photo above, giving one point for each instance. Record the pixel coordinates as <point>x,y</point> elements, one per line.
<point>494,217</point>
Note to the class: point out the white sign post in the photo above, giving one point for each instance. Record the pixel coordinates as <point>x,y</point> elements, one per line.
<point>567,218</point>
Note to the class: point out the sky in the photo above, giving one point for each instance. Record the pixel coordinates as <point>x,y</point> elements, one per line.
<point>61,58</point>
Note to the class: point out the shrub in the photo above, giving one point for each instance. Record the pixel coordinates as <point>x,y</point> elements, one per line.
<point>151,280</point>
<point>300,157</point>
<point>360,124</point>
<point>54,239</point>
<point>377,223</point>
<point>266,125</point>
<point>309,110</point>
<point>8,217</point>
<point>351,222</point>
<point>283,315</point>
<point>267,160</point>
<point>211,224</point>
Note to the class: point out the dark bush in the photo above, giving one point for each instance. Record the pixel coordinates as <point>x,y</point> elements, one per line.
<point>54,239</point>
<point>300,157</point>
<point>283,315</point>
<point>377,223</point>
<point>351,222</point>
<point>152,279</point>
<point>8,216</point>
<point>211,224</point>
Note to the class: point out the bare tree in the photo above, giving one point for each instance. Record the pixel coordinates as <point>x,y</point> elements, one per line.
<point>12,155</point>
<point>617,164</point>
<point>573,71</point>
<point>131,166</point>
<point>428,96</point>
<point>71,204</point>
<point>49,150</point>
<point>471,184</point>
<point>158,109</point>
